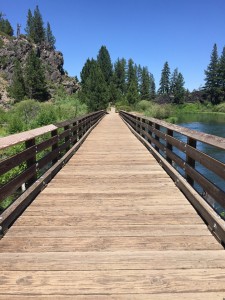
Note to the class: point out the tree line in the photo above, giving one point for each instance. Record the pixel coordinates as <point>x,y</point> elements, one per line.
<point>126,82</point>
<point>36,31</point>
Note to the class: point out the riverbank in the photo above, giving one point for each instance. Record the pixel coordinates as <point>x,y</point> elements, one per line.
<point>173,112</point>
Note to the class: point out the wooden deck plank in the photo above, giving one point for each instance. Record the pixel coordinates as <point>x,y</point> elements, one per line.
<point>111,225</point>
<point>119,260</point>
<point>115,281</point>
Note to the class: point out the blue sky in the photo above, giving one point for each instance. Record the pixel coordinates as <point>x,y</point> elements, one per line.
<point>150,32</point>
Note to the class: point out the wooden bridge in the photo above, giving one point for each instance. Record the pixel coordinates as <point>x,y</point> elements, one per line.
<point>111,224</point>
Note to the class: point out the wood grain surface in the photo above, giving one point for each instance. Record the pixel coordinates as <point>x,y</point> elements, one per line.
<point>111,225</point>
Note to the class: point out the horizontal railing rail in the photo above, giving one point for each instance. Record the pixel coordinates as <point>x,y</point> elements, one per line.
<point>182,149</point>
<point>26,157</point>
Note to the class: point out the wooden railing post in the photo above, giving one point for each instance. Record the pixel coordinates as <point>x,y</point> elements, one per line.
<point>168,145</point>
<point>157,126</point>
<point>189,160</point>
<point>150,132</point>
<point>55,146</point>
<point>142,128</point>
<point>31,162</point>
<point>67,138</point>
<point>74,134</point>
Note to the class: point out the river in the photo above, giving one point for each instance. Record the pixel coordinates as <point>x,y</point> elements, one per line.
<point>209,123</point>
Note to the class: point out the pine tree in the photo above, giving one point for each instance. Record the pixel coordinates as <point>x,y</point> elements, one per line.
<point>95,91</point>
<point>105,64</point>
<point>5,25</point>
<point>164,85</point>
<point>34,78</point>
<point>85,73</point>
<point>221,74</point>
<point>17,88</point>
<point>152,86</point>
<point>212,78</point>
<point>30,25</point>
<point>50,39</point>
<point>119,76</point>
<point>38,27</point>
<point>132,83</point>
<point>145,87</point>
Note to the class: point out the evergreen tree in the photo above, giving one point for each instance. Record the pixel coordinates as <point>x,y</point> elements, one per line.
<point>85,73</point>
<point>132,93</point>
<point>119,76</point>
<point>177,86</point>
<point>105,64</point>
<point>50,39</point>
<point>132,83</point>
<point>95,91</point>
<point>212,78</point>
<point>34,78</point>
<point>39,31</point>
<point>152,86</point>
<point>17,88</point>
<point>221,74</point>
<point>164,85</point>
<point>30,25</point>
<point>5,25</point>
<point>145,84</point>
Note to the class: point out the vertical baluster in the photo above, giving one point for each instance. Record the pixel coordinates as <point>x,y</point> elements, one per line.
<point>31,162</point>
<point>157,126</point>
<point>55,146</point>
<point>189,160</point>
<point>168,145</point>
<point>149,131</point>
<point>67,138</point>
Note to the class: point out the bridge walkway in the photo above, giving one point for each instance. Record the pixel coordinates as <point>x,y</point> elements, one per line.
<point>111,225</point>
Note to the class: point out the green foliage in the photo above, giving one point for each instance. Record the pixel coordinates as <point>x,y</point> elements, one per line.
<point>35,29</point>
<point>95,92</point>
<point>35,83</point>
<point>47,115</point>
<point>164,85</point>
<point>104,62</point>
<point>5,26</point>
<point>17,88</point>
<point>144,105</point>
<point>50,39</point>
<point>212,77</point>
<point>119,76</point>
<point>158,111</point>
<point>177,87</point>
<point>219,108</point>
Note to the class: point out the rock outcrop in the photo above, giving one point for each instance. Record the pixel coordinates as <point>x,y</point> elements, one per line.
<point>12,48</point>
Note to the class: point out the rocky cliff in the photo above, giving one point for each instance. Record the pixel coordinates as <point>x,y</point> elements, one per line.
<point>12,48</point>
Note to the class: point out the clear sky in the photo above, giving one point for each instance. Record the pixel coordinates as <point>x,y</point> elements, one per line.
<point>150,32</point>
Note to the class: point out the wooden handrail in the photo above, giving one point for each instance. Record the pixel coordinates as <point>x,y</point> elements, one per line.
<point>26,156</point>
<point>158,136</point>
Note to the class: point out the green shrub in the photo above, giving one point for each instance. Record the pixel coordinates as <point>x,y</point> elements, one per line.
<point>157,111</point>
<point>144,105</point>
<point>220,108</point>
<point>47,115</point>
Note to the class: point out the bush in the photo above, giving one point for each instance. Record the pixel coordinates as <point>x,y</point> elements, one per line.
<point>47,115</point>
<point>144,105</point>
<point>159,111</point>
<point>220,108</point>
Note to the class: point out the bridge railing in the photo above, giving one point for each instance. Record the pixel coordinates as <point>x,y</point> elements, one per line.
<point>29,160</point>
<point>180,151</point>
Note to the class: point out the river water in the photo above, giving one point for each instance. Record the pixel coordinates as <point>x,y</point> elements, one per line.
<point>209,123</point>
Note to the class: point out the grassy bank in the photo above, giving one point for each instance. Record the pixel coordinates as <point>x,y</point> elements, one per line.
<point>171,112</point>
<point>29,114</point>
